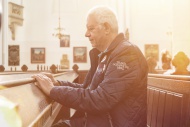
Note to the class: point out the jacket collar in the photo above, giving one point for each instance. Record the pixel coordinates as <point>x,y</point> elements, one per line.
<point>118,39</point>
<point>94,52</point>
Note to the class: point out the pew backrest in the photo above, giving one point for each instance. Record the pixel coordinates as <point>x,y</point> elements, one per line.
<point>168,101</point>
<point>34,107</point>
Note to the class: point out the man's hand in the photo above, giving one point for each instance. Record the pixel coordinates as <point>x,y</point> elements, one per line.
<point>44,83</point>
<point>55,82</point>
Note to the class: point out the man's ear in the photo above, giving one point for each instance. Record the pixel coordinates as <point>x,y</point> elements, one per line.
<point>107,27</point>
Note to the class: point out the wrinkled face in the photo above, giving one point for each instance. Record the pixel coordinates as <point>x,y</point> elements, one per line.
<point>95,32</point>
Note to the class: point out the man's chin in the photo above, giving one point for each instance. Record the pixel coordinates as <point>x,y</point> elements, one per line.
<point>93,45</point>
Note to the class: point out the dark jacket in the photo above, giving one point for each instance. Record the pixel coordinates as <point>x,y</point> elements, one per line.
<point>114,91</point>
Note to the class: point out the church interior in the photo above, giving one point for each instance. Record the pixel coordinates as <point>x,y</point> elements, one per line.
<point>49,36</point>
<point>153,25</point>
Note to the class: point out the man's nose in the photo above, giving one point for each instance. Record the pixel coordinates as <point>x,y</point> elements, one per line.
<point>87,34</point>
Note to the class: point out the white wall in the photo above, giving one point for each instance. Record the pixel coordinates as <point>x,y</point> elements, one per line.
<point>148,22</point>
<point>40,20</point>
<point>181,25</point>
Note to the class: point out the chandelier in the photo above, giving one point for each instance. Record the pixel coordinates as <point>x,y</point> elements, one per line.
<point>59,29</point>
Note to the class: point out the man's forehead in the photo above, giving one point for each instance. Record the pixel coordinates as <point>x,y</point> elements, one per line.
<point>90,25</point>
<point>91,21</point>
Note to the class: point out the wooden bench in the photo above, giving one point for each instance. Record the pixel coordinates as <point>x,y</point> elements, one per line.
<point>168,101</point>
<point>35,108</point>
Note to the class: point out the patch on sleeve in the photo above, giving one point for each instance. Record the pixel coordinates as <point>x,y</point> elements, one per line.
<point>121,65</point>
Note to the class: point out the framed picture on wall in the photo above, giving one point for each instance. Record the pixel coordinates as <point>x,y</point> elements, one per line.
<point>79,54</point>
<point>37,55</point>
<point>151,50</point>
<point>14,55</point>
<point>65,41</point>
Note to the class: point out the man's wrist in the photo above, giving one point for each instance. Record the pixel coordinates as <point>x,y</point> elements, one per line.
<point>56,83</point>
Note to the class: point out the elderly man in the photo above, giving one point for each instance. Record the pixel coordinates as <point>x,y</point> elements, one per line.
<point>114,93</point>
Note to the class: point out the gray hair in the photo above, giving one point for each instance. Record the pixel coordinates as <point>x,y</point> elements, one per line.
<point>105,14</point>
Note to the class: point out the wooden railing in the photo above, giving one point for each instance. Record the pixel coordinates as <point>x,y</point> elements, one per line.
<point>35,108</point>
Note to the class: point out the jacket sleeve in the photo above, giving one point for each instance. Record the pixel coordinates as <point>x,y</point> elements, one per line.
<point>66,83</point>
<point>85,84</point>
<point>121,77</point>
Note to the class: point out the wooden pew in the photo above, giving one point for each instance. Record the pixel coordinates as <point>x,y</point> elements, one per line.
<point>168,101</point>
<point>35,108</point>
